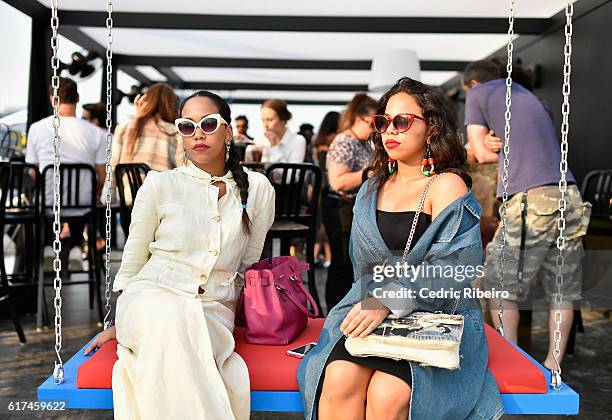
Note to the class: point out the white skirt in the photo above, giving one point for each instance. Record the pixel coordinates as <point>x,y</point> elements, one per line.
<point>176,358</point>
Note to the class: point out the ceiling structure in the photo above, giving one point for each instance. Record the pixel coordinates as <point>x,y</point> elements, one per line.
<point>315,52</point>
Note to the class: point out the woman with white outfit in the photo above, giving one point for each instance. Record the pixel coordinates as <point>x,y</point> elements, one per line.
<point>278,144</point>
<point>194,230</point>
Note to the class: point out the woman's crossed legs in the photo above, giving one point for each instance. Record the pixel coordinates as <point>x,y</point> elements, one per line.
<point>351,391</point>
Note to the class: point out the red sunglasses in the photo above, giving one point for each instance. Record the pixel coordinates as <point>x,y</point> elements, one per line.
<point>401,122</point>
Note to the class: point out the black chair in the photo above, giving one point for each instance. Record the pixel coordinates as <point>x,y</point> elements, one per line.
<point>23,225</point>
<point>597,190</point>
<point>255,166</point>
<point>75,209</point>
<point>297,205</point>
<point>23,211</point>
<point>240,147</point>
<point>9,142</point>
<point>132,174</point>
<point>5,291</point>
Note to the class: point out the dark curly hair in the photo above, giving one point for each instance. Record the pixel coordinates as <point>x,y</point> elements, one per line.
<point>233,163</point>
<point>442,131</point>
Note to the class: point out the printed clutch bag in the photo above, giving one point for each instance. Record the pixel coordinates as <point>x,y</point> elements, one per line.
<point>431,339</point>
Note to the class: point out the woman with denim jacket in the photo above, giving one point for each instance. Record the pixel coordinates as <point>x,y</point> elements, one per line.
<point>414,123</point>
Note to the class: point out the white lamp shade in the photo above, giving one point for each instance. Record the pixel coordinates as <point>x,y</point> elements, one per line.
<point>391,65</point>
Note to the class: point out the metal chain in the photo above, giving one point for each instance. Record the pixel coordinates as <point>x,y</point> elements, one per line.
<point>416,218</point>
<point>58,371</point>
<point>506,162</point>
<point>555,377</point>
<point>109,123</point>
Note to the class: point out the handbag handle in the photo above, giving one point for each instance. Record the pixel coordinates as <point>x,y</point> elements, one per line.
<point>305,311</point>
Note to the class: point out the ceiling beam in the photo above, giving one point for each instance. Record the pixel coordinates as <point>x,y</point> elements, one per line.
<point>265,63</point>
<point>31,8</point>
<point>251,63</point>
<point>252,101</point>
<point>305,23</point>
<point>83,40</point>
<point>442,65</point>
<point>173,78</point>
<point>131,71</point>
<point>274,86</point>
<point>581,9</point>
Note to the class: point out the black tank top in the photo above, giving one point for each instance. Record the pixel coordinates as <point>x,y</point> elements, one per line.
<point>394,227</point>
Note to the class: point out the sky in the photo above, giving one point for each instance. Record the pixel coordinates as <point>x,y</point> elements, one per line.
<point>15,55</point>
<point>14,73</point>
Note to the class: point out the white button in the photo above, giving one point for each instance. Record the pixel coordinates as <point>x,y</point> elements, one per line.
<point>214,252</point>
<point>204,278</point>
<point>217,218</point>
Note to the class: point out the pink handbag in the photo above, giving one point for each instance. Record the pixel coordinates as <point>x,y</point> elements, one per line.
<point>273,301</point>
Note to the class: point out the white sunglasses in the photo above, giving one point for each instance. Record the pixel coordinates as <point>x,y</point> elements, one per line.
<point>209,124</point>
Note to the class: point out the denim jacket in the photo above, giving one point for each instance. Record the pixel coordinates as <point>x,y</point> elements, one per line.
<point>452,239</point>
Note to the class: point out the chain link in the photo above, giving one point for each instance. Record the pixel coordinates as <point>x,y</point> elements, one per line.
<point>506,162</point>
<point>555,378</point>
<point>58,371</point>
<point>416,219</point>
<point>109,124</point>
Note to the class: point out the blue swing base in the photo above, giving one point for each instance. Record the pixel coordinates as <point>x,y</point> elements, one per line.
<point>565,401</point>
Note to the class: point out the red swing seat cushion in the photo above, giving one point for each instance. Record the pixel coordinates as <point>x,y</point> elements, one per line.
<point>270,369</point>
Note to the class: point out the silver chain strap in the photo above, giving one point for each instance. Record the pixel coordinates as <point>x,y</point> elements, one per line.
<point>416,218</point>
<point>415,221</point>
<point>109,123</point>
<point>555,377</point>
<point>58,371</point>
<point>506,163</point>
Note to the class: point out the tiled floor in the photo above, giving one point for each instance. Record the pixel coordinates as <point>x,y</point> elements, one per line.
<point>24,367</point>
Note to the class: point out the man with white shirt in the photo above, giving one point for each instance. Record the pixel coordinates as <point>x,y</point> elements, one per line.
<point>81,142</point>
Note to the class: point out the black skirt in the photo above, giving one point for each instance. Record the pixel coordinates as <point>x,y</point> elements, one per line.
<point>394,227</point>
<point>398,368</point>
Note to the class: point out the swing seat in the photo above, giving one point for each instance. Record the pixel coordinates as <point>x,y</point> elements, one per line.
<point>522,382</point>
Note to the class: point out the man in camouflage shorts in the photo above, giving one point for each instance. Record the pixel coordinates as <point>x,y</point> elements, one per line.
<point>532,210</point>
<point>537,262</point>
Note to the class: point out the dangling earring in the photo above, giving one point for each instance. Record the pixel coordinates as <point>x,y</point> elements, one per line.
<point>227,149</point>
<point>428,161</point>
<point>185,158</point>
<point>392,165</point>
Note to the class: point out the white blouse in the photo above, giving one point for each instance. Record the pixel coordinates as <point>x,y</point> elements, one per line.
<point>291,149</point>
<point>181,232</point>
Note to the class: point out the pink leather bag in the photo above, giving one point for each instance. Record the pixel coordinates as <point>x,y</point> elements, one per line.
<point>273,301</point>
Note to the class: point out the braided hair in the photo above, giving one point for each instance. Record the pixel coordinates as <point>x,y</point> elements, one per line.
<point>233,162</point>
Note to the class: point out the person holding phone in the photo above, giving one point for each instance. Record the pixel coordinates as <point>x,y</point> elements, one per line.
<point>194,231</point>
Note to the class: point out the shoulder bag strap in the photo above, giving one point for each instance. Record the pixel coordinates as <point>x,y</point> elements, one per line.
<point>416,218</point>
